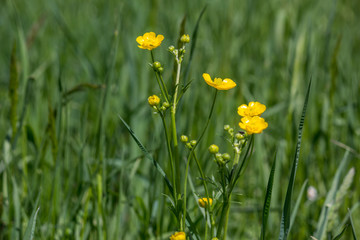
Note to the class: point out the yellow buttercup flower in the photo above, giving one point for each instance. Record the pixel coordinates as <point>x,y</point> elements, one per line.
<point>218,83</point>
<point>153,100</point>
<point>178,236</point>
<point>149,40</point>
<point>203,202</point>
<point>254,124</point>
<point>251,110</point>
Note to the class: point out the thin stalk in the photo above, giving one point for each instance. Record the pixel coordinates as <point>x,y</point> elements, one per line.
<point>170,154</point>
<point>227,218</point>
<point>192,153</point>
<point>224,207</point>
<point>173,128</point>
<point>212,222</point>
<point>207,123</point>
<point>161,86</point>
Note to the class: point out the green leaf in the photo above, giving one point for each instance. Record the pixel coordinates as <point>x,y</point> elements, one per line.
<point>341,233</point>
<point>149,157</point>
<point>13,90</point>
<point>193,43</point>
<point>297,204</point>
<point>285,218</point>
<point>352,226</point>
<point>266,208</point>
<point>189,222</point>
<point>330,198</point>
<point>29,232</point>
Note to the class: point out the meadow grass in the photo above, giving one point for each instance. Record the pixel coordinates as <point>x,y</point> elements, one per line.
<point>65,150</point>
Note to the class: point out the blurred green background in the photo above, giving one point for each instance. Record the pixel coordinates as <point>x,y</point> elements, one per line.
<point>79,68</point>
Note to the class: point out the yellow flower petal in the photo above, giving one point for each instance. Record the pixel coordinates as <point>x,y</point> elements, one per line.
<point>253,125</point>
<point>178,236</point>
<point>203,202</point>
<point>253,109</point>
<point>149,40</point>
<point>218,83</point>
<point>153,100</point>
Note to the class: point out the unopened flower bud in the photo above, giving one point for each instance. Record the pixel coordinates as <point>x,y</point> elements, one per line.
<point>160,69</point>
<point>213,149</point>
<point>203,202</point>
<point>226,156</point>
<point>153,100</point>
<point>185,38</point>
<point>231,131</point>
<point>239,136</point>
<point>166,104</point>
<point>184,138</point>
<point>163,108</point>
<point>156,65</point>
<point>171,48</point>
<point>193,142</point>
<point>218,156</point>
<point>219,159</point>
<point>226,127</point>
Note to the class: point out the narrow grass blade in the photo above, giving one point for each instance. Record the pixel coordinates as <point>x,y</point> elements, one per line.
<point>297,204</point>
<point>189,222</point>
<point>285,218</point>
<point>323,226</point>
<point>29,232</point>
<point>330,198</point>
<point>352,226</point>
<point>266,208</point>
<point>13,90</point>
<point>341,233</point>
<point>148,156</point>
<point>193,43</point>
<point>27,99</point>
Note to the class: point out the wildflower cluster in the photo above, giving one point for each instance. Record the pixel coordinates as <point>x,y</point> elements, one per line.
<point>251,122</point>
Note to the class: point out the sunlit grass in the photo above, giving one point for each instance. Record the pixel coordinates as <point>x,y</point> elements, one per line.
<point>79,68</point>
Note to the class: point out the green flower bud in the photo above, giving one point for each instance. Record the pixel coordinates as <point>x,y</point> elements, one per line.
<point>226,156</point>
<point>156,65</point>
<point>193,142</point>
<point>219,159</point>
<point>239,136</point>
<point>188,145</point>
<point>184,138</point>
<point>226,127</point>
<point>171,48</point>
<point>231,131</point>
<point>163,108</point>
<point>166,104</point>
<point>160,69</point>
<point>213,149</point>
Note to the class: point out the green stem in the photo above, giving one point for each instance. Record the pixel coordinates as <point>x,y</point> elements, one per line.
<point>227,218</point>
<point>173,127</point>
<point>161,84</point>
<point>207,123</point>
<point>192,153</point>
<point>170,154</point>
<point>212,222</point>
<point>224,206</point>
